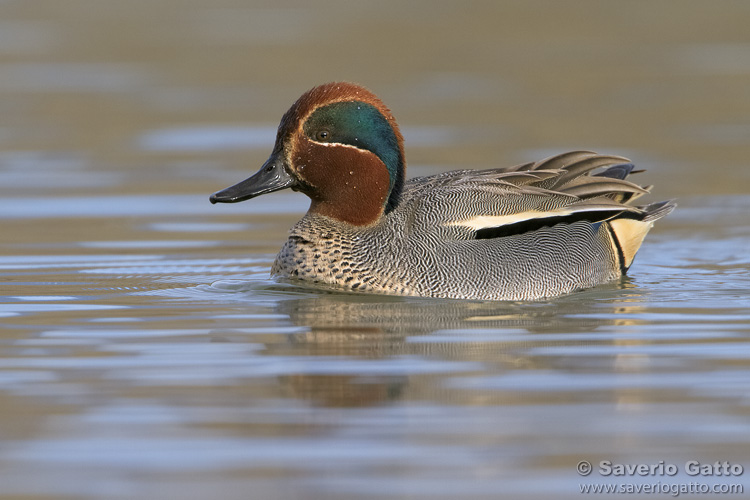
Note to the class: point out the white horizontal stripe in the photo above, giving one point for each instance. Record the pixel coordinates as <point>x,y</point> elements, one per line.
<point>485,221</point>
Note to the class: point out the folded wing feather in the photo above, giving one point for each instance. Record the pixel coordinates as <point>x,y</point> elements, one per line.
<point>557,190</point>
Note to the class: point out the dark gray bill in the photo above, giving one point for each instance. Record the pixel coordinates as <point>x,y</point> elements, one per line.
<point>271,177</point>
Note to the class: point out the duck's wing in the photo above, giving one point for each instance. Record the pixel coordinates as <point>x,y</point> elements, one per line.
<point>470,204</point>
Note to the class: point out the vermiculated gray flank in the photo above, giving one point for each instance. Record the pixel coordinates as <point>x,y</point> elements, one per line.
<point>418,249</point>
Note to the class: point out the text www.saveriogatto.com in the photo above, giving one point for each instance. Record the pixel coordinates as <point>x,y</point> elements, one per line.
<point>666,478</point>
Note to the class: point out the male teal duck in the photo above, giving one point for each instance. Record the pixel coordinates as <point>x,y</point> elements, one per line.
<point>526,232</point>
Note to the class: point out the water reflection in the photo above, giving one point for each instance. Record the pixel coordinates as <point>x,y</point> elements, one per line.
<point>393,341</point>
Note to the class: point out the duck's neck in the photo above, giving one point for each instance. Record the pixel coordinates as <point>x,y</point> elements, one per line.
<point>397,175</point>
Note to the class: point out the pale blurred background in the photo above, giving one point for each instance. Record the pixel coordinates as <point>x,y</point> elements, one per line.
<point>182,96</point>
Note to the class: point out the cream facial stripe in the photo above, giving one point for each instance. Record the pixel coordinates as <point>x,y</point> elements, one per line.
<point>331,144</point>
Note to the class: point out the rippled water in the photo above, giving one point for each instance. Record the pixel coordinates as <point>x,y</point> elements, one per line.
<point>145,353</point>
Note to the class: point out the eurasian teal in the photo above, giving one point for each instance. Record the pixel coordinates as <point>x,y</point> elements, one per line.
<point>526,232</point>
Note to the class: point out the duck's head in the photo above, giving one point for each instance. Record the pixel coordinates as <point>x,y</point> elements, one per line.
<point>340,146</point>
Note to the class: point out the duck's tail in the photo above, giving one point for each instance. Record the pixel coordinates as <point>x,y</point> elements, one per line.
<point>628,232</point>
<point>656,211</point>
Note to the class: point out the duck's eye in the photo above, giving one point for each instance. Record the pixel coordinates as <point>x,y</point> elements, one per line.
<point>322,135</point>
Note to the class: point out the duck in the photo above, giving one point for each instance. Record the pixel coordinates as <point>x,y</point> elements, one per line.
<point>528,232</point>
